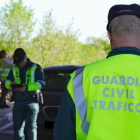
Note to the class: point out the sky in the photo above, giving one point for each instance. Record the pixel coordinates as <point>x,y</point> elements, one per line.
<point>89,16</point>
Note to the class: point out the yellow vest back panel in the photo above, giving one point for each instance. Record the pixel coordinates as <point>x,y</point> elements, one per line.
<point>112,93</point>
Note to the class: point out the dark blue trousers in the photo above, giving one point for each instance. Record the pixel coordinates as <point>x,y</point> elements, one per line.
<point>25,117</point>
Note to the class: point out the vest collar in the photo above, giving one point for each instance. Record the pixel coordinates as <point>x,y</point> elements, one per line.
<point>124,50</point>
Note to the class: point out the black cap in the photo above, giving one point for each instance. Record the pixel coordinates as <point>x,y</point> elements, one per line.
<point>19,55</point>
<point>119,10</point>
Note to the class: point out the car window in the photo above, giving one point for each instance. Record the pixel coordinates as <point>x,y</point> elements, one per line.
<point>55,81</point>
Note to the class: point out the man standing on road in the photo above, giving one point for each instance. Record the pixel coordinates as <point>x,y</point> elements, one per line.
<point>5,67</point>
<point>102,99</point>
<point>26,108</point>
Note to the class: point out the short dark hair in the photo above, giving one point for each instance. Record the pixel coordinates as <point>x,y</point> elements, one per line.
<point>125,26</point>
<point>2,53</point>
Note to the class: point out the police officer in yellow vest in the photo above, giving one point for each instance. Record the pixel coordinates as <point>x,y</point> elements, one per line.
<point>5,66</point>
<point>26,108</point>
<point>102,99</point>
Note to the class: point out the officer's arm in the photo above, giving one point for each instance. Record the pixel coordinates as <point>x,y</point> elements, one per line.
<point>7,64</point>
<point>10,78</point>
<point>64,127</point>
<point>39,80</point>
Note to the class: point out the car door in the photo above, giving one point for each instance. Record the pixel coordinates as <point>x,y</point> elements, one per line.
<point>52,93</point>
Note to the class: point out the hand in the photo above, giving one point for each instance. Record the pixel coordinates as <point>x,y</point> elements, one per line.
<point>13,82</point>
<point>22,89</point>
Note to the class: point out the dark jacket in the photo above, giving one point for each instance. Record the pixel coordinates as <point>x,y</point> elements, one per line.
<point>65,122</point>
<point>39,77</point>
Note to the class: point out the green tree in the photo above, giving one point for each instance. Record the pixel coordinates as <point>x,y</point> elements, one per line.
<point>56,45</point>
<point>95,49</point>
<point>17,23</point>
<point>52,45</point>
<point>102,43</point>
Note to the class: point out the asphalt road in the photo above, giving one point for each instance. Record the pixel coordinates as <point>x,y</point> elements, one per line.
<point>7,133</point>
<point>5,136</point>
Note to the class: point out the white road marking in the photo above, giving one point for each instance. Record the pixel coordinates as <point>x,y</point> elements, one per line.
<point>7,132</point>
<point>6,126</point>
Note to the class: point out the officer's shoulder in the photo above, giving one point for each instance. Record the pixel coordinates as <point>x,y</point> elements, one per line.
<point>33,64</point>
<point>38,66</point>
<point>97,64</point>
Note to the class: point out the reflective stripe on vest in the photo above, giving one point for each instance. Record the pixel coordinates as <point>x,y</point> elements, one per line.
<point>81,103</point>
<point>5,75</point>
<point>16,74</point>
<point>6,69</point>
<point>33,73</point>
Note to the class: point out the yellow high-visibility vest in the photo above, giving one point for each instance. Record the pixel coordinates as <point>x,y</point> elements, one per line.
<point>106,95</point>
<point>30,82</point>
<point>30,77</point>
<point>3,70</point>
